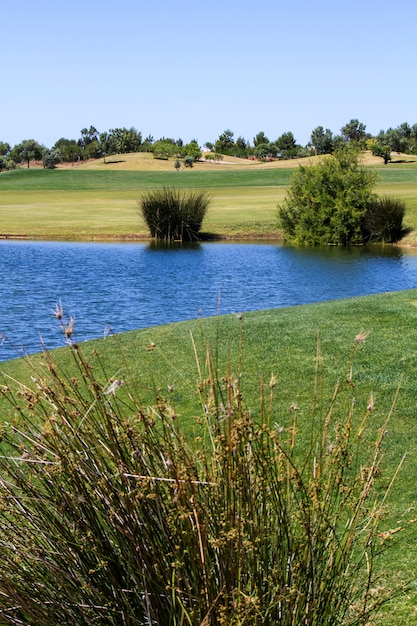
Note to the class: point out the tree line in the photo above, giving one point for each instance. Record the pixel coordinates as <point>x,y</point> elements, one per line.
<point>93,144</point>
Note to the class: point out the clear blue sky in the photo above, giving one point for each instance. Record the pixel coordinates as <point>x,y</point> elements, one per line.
<point>192,69</point>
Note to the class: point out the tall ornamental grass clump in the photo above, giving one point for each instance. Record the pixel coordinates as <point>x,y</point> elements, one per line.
<point>172,214</point>
<point>112,513</point>
<point>383,220</point>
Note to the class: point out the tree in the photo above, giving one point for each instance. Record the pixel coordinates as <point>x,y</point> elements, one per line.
<point>260,138</point>
<point>188,161</point>
<point>192,150</point>
<point>264,150</point>
<point>413,138</point>
<point>322,140</point>
<point>225,143</point>
<point>51,158</point>
<point>6,163</point>
<point>286,146</point>
<point>354,131</point>
<point>88,135</point>
<point>327,203</point>
<point>123,140</point>
<point>241,147</point>
<point>383,150</point>
<point>394,138</point>
<point>4,148</point>
<point>147,144</point>
<point>69,148</point>
<point>89,143</point>
<point>164,149</point>
<point>28,150</point>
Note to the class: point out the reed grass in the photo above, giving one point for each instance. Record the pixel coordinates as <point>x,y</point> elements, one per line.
<point>111,513</point>
<point>174,215</point>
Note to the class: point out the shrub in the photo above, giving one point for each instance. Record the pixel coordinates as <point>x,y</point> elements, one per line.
<point>6,163</point>
<point>383,220</point>
<point>326,203</point>
<point>188,161</point>
<point>111,514</point>
<point>174,215</point>
<point>213,156</point>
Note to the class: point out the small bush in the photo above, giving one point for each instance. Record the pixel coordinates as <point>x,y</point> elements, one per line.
<point>383,220</point>
<point>188,161</point>
<point>111,514</point>
<point>174,215</point>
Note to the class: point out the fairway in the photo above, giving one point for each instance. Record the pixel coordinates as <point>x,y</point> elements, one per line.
<point>99,201</point>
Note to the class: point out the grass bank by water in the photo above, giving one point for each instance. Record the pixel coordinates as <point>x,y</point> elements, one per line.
<point>291,345</point>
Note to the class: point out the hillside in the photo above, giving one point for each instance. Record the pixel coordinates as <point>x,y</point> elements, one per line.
<point>145,161</point>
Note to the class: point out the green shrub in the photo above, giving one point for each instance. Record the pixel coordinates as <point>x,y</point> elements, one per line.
<point>188,161</point>
<point>383,220</point>
<point>326,202</point>
<point>111,514</point>
<point>174,215</point>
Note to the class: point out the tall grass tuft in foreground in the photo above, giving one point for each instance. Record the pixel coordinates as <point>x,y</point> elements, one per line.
<point>111,514</point>
<point>172,214</point>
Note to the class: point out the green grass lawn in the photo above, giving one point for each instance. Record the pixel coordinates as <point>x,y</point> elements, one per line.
<point>88,204</point>
<point>76,203</point>
<point>283,343</point>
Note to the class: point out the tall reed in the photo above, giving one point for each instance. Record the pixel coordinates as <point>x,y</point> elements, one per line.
<point>111,514</point>
<point>172,214</point>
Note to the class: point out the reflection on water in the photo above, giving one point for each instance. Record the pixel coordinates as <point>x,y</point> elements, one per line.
<point>128,286</point>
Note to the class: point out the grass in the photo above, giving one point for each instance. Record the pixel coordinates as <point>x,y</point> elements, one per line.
<point>100,201</point>
<point>109,180</point>
<point>280,343</point>
<point>281,346</point>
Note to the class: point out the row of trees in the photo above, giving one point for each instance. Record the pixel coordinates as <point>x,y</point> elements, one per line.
<point>93,144</point>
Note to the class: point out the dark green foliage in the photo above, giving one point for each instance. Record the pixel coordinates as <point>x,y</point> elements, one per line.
<point>70,150</point>
<point>51,158</point>
<point>384,220</point>
<point>192,150</point>
<point>326,203</point>
<point>111,514</point>
<point>322,140</point>
<point>382,150</point>
<point>286,146</point>
<point>188,161</point>
<point>174,215</point>
<point>6,163</point>
<point>28,150</point>
<point>354,131</point>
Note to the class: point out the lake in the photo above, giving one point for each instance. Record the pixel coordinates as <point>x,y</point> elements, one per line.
<point>121,287</point>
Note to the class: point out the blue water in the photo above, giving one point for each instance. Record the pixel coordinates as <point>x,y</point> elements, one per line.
<point>127,286</point>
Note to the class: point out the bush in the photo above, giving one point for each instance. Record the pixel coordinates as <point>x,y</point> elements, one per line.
<point>188,161</point>
<point>111,514</point>
<point>383,220</point>
<point>6,163</point>
<point>326,203</point>
<point>174,215</point>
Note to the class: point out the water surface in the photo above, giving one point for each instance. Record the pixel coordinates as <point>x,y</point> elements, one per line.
<point>129,286</point>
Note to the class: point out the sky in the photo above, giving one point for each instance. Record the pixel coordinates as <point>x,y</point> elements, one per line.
<point>192,69</point>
